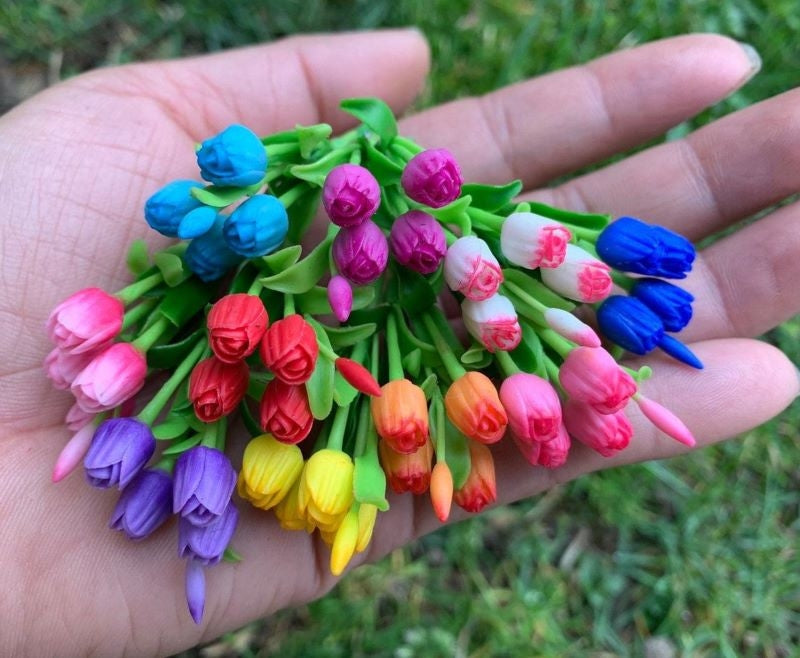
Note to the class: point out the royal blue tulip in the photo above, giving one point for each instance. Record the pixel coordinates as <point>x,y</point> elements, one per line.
<point>257,227</point>
<point>197,222</point>
<point>208,256</point>
<point>234,157</point>
<point>144,504</point>
<point>166,208</point>
<point>677,350</point>
<point>204,482</point>
<point>630,245</point>
<point>630,324</point>
<point>120,449</point>
<point>669,302</point>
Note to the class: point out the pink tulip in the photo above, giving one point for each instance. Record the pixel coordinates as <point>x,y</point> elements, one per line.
<point>532,241</point>
<point>113,376</point>
<point>76,418</point>
<point>340,297</point>
<point>471,268</point>
<point>88,320</point>
<point>580,277</point>
<point>590,375</point>
<point>62,368</point>
<point>604,433</point>
<point>553,454</point>
<point>493,322</point>
<point>533,407</point>
<point>72,454</point>
<point>665,420</point>
<point>571,328</point>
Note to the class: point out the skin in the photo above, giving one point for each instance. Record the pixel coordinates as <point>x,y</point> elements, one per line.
<point>78,161</point>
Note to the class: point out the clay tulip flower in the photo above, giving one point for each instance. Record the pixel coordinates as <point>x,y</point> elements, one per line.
<point>480,489</point>
<point>357,376</point>
<point>418,241</point>
<point>204,481</point>
<point>236,325</point>
<point>216,388</point>
<point>144,504</point>
<point>407,472</point>
<point>285,412</point>
<point>471,268</point>
<point>350,195</point>
<point>257,227</point>
<point>580,277</point>
<point>665,420</point>
<point>532,241</point>
<point>269,470</point>
<point>567,325</point>
<point>86,321</point>
<point>441,490</point>
<point>361,252</point>
<point>493,322</point>
<point>326,488</point>
<point>290,349</point>
<point>400,414</point>
<point>590,375</point>
<point>61,368</point>
<point>533,407</point>
<point>672,304</point>
<point>343,546</point>
<point>473,406</point>
<point>112,377</point>
<point>168,206</point>
<point>603,433</point>
<point>432,178</point>
<point>340,297</point>
<point>553,454</point>
<point>119,450</point>
<point>234,157</point>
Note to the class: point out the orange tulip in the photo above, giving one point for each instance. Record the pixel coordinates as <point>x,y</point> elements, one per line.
<point>409,472</point>
<point>473,406</point>
<point>401,415</point>
<point>441,490</point>
<point>480,489</point>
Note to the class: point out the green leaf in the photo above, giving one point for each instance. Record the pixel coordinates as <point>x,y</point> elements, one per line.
<point>536,289</point>
<point>369,480</point>
<point>162,357</point>
<point>171,428</point>
<point>412,362</point>
<point>301,213</point>
<point>315,301</point>
<point>375,114</point>
<point>244,278</point>
<point>455,213</point>
<point>171,268</point>
<point>350,334</point>
<point>231,556</point>
<point>220,197</point>
<point>458,457</point>
<point>492,197</point>
<point>343,393</point>
<point>316,172</point>
<point>376,314</point>
<point>312,136</point>
<point>278,261</point>
<point>184,301</point>
<point>138,260</point>
<point>183,446</point>
<point>385,170</point>
<point>474,355</point>
<point>303,275</point>
<point>322,381</point>
<point>415,294</point>
<point>584,220</point>
<point>429,385</point>
<point>529,354</point>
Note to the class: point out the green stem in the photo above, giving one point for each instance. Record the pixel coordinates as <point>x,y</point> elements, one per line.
<point>277,150</point>
<point>393,349</point>
<point>395,202</point>
<point>449,235</point>
<point>336,435</point>
<point>138,312</point>
<point>375,355</point>
<point>256,287</point>
<point>449,360</point>
<point>132,292</point>
<point>408,144</point>
<point>149,414</point>
<point>506,363</point>
<point>151,335</point>
<point>209,435</point>
<point>288,305</point>
<point>584,233</point>
<point>551,370</point>
<point>219,439</point>
<point>355,157</point>
<point>486,220</point>
<point>250,422</point>
<point>166,463</point>
<point>364,421</point>
<point>292,195</point>
<point>560,344</point>
<point>273,173</point>
<point>517,291</point>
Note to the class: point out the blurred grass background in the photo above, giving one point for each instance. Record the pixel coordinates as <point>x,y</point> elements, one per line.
<point>696,556</point>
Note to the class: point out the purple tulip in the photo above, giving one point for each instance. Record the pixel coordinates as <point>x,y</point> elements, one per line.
<point>351,195</point>
<point>418,241</point>
<point>340,297</point>
<point>204,482</point>
<point>361,252</point>
<point>432,177</point>
<point>120,449</point>
<point>144,505</point>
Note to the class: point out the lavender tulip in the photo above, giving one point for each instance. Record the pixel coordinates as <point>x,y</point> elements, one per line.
<point>204,482</point>
<point>144,505</point>
<point>120,449</point>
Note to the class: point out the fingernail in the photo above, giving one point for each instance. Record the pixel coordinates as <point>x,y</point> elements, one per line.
<point>754,59</point>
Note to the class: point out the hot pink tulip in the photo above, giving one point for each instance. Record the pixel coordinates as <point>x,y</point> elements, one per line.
<point>113,376</point>
<point>532,241</point>
<point>493,322</point>
<point>62,368</point>
<point>553,454</point>
<point>77,418</point>
<point>665,420</point>
<point>88,320</point>
<point>471,268</point>
<point>340,297</point>
<point>590,375</point>
<point>604,433</point>
<point>580,277</point>
<point>533,407</point>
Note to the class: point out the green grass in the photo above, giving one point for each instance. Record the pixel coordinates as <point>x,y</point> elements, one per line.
<point>705,556</point>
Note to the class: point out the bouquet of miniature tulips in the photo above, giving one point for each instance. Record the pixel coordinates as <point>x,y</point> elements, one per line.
<point>337,356</point>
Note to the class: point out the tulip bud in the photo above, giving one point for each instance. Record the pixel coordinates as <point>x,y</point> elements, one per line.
<point>471,268</point>
<point>285,412</point>
<point>257,227</point>
<point>665,420</point>
<point>630,324</point>
<point>236,325</point>
<point>361,252</point>
<point>235,157</point>
<point>340,297</point>
<point>86,321</point>
<point>473,406</point>
<point>400,414</point>
<point>493,322</point>
<point>288,510</point>
<point>603,433</point>
<point>326,488</point>
<point>673,305</point>
<point>144,505</point>
<point>204,482</point>
<point>571,328</point>
<point>344,542</point>
<point>630,245</point>
<point>72,453</point>
<point>290,349</point>
<point>532,241</point>
<point>350,195</point>
<point>113,376</point>
<point>367,514</point>
<point>441,490</point>
<point>166,208</point>
<point>432,178</point>
<point>580,277</point>
<point>358,376</point>
<point>553,454</point>
<point>208,256</point>
<point>120,448</point>
<point>480,488</point>
<point>61,368</point>
<point>407,471</point>
<point>77,418</point>
<point>216,388</point>
<point>591,375</point>
<point>418,241</point>
<point>198,222</point>
<point>533,407</point>
<point>269,469</point>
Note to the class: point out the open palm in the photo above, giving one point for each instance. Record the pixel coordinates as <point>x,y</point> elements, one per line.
<point>78,161</point>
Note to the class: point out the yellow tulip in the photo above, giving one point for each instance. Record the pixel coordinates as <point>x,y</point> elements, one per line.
<point>288,512</point>
<point>366,524</point>
<point>344,542</point>
<point>269,469</point>
<point>326,488</point>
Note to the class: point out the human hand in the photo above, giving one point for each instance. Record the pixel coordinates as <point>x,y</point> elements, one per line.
<point>79,160</point>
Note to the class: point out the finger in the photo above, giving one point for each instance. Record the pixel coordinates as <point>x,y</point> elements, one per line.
<point>551,125</point>
<point>719,174</point>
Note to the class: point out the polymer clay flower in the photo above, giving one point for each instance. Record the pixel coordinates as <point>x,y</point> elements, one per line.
<point>340,297</point>
<point>326,488</point>
<point>236,325</point>
<point>284,411</point>
<point>112,377</point>
<point>630,324</point>
<point>144,505</point>
<point>580,277</point>
<point>269,470</point>
<point>672,304</point>
<point>234,157</point>
<point>350,195</point>
<point>480,488</point>
<point>208,256</point>
<point>603,433</point>
<point>216,388</point>
<point>417,241</point>
<point>532,406</point>
<point>165,209</point>
<point>86,321</point>
<point>474,407</point>
<point>471,269</point>
<point>119,450</point>
<point>532,241</point>
<point>493,322</point>
<point>361,252</point>
<point>257,227</point>
<point>407,471</point>
<point>204,480</point>
<point>401,415</point>
<point>289,349</point>
<point>432,178</point>
<point>590,375</point>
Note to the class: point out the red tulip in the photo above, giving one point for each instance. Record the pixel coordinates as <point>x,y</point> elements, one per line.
<point>285,412</point>
<point>216,388</point>
<point>290,349</point>
<point>236,325</point>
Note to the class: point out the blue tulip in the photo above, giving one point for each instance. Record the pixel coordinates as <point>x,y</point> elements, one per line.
<point>257,227</point>
<point>677,350</point>
<point>630,245</point>
<point>234,157</point>
<point>197,222</point>
<point>669,302</point>
<point>166,208</point>
<point>630,324</point>
<point>208,256</point>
